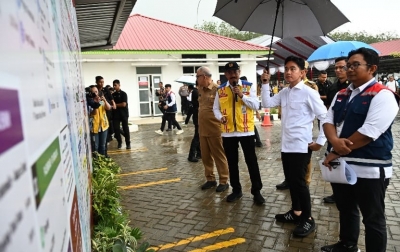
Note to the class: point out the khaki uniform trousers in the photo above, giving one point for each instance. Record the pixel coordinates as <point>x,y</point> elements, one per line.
<point>212,151</point>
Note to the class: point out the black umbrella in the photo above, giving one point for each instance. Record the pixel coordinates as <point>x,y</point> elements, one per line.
<point>290,18</point>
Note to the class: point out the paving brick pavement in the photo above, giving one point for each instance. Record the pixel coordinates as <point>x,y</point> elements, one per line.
<point>167,204</point>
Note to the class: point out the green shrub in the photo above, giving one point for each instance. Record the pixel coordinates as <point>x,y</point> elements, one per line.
<point>111,231</point>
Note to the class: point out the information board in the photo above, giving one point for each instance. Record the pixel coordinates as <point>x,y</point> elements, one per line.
<point>44,136</point>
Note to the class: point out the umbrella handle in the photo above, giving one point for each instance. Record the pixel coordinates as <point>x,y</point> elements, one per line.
<point>278,4</point>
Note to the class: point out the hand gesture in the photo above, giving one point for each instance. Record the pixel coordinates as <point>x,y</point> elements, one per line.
<point>265,77</point>
<point>314,146</point>
<point>237,90</point>
<point>342,146</point>
<point>330,157</point>
<point>224,120</point>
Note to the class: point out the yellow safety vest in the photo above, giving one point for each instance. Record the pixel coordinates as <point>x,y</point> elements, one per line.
<point>100,120</point>
<point>239,117</point>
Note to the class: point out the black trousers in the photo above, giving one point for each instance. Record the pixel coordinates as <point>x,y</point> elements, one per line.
<point>368,195</point>
<point>195,144</point>
<point>295,169</point>
<point>231,147</point>
<point>184,105</point>
<point>170,117</point>
<point>125,128</point>
<point>189,114</point>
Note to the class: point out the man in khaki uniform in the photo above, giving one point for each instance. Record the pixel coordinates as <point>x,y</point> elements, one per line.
<point>210,133</point>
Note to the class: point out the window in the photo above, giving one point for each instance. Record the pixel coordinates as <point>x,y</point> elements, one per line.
<point>148,70</point>
<point>196,58</point>
<point>190,69</point>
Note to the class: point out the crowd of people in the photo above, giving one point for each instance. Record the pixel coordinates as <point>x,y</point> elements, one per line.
<point>108,115</point>
<point>354,114</point>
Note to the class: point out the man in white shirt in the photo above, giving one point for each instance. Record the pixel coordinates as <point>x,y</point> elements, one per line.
<point>300,104</point>
<point>358,129</point>
<point>392,84</point>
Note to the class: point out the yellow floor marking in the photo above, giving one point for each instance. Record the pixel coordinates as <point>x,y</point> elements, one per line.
<point>195,238</point>
<point>144,171</point>
<point>150,183</point>
<point>220,245</point>
<point>127,151</point>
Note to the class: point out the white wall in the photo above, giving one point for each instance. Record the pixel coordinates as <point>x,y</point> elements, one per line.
<point>126,72</point>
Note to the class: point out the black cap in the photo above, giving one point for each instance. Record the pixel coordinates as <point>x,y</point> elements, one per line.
<point>231,66</point>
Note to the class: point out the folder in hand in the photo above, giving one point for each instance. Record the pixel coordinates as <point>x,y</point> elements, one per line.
<point>341,172</point>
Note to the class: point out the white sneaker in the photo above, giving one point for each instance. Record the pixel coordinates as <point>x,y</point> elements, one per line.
<point>159,132</point>
<point>179,132</point>
<point>184,124</point>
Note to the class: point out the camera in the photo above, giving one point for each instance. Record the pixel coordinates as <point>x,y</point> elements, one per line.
<point>89,99</point>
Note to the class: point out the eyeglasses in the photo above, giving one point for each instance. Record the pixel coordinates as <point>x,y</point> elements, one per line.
<point>339,68</point>
<point>355,65</point>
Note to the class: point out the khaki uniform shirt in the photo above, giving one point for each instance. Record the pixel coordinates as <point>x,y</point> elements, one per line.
<point>209,125</point>
<point>311,84</point>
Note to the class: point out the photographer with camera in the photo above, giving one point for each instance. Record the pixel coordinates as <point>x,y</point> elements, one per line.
<point>99,122</point>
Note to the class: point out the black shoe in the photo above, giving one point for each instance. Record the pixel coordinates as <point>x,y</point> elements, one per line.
<point>329,199</point>
<point>288,217</point>
<point>234,196</point>
<point>119,146</point>
<point>106,156</point>
<point>304,228</point>
<point>192,159</point>
<point>222,187</point>
<point>259,145</point>
<point>198,156</point>
<point>258,199</point>
<point>340,247</point>
<point>283,186</point>
<point>128,147</point>
<point>168,130</point>
<point>208,185</point>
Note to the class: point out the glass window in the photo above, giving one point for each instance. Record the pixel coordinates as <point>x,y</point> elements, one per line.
<point>148,70</point>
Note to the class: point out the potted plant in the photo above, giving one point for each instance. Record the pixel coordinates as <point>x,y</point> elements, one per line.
<point>274,114</point>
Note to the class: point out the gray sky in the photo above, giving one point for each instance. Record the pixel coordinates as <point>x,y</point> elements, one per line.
<point>373,16</point>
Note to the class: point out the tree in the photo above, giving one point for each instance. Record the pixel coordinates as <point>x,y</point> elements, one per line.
<point>226,30</point>
<point>363,36</point>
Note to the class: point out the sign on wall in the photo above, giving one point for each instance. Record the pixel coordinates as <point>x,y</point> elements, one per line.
<point>44,137</point>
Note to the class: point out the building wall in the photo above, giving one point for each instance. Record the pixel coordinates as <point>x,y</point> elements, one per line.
<point>125,71</point>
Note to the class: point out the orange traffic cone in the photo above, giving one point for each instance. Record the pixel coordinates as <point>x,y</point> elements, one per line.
<point>267,120</point>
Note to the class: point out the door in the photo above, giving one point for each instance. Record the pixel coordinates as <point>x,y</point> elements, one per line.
<point>155,80</point>
<point>145,97</point>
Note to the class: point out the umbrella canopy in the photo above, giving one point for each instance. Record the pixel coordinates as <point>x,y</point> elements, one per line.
<point>187,79</point>
<point>295,17</point>
<point>336,50</point>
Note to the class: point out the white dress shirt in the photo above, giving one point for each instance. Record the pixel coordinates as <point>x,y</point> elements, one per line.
<point>391,85</point>
<point>299,107</point>
<point>189,98</point>
<point>250,101</point>
<point>381,113</point>
<point>172,95</point>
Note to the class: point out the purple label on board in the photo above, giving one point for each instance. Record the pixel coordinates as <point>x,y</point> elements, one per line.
<point>10,119</point>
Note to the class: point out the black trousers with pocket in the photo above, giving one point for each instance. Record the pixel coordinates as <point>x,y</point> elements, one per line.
<point>368,195</point>
<point>231,147</point>
<point>295,169</point>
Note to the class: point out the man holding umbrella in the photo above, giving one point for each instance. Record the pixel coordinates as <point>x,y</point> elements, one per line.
<point>300,105</point>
